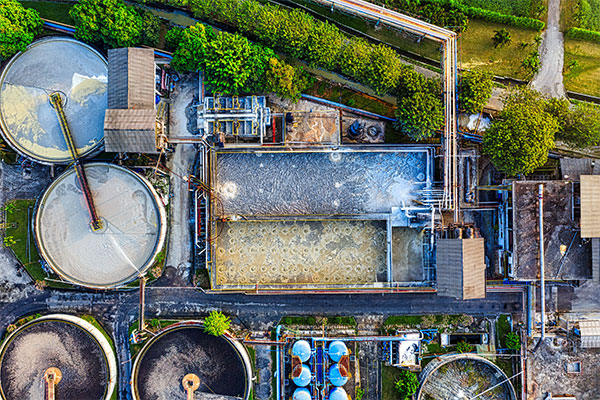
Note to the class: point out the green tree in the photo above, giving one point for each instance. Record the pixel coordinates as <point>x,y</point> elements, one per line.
<point>463,347</point>
<point>18,27</point>
<point>475,90</point>
<point>518,141</point>
<point>501,38</point>
<point>512,341</point>
<point>355,58</point>
<point>324,45</point>
<point>151,29</point>
<point>531,63</point>
<point>420,111</point>
<point>216,323</point>
<point>407,384</point>
<point>284,79</point>
<point>384,69</point>
<point>108,22</point>
<point>580,127</point>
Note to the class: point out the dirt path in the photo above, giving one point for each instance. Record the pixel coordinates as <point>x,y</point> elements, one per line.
<point>549,79</point>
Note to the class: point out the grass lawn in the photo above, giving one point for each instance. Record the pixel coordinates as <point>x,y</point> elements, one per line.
<point>568,14</point>
<point>17,223</point>
<point>476,49</point>
<point>58,12</point>
<point>311,320</point>
<point>585,77</point>
<point>502,328</point>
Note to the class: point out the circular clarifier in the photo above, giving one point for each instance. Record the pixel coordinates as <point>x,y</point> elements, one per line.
<point>132,234</point>
<point>29,122</point>
<point>70,346</point>
<point>221,364</point>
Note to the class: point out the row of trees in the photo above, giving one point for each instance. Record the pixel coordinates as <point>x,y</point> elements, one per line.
<point>18,27</point>
<point>111,23</point>
<point>232,64</point>
<point>518,141</point>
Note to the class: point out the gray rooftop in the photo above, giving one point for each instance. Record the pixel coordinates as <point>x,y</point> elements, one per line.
<point>131,78</point>
<point>461,268</point>
<point>131,130</point>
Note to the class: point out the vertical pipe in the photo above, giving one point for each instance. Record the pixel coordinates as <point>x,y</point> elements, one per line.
<point>542,272</point>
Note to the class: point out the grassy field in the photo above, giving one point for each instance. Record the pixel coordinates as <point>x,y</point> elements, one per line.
<point>18,214</point>
<point>55,11</point>
<point>477,49</point>
<point>585,76</point>
<point>389,376</point>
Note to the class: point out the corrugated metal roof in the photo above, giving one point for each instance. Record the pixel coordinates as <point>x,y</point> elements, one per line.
<point>131,77</point>
<point>590,333</point>
<point>590,206</point>
<point>130,131</point>
<point>461,268</point>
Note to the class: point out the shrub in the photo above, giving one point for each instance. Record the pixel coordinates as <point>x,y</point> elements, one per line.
<point>583,34</point>
<point>512,341</point>
<point>464,320</point>
<point>440,13</point>
<point>407,384</point>
<point>359,393</point>
<point>216,323</point>
<point>420,115</point>
<point>464,347</point>
<point>284,79</point>
<point>474,90</point>
<point>18,27</point>
<point>501,38</point>
<point>579,126</point>
<point>531,63</point>
<point>492,16</point>
<point>151,29</point>
<point>107,22</point>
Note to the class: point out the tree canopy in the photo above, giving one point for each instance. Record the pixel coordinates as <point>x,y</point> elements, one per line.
<point>475,89</point>
<point>232,64</point>
<point>420,111</point>
<point>512,341</point>
<point>216,323</point>
<point>518,141</point>
<point>18,27</point>
<point>579,124</point>
<point>407,384</point>
<point>107,22</point>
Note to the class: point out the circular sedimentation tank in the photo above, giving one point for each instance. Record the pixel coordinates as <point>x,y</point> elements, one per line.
<point>301,375</point>
<point>74,348</point>
<point>133,227</point>
<point>302,394</point>
<point>335,376</point>
<point>221,364</point>
<point>465,377</point>
<point>29,122</point>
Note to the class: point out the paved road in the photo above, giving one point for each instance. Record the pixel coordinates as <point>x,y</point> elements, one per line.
<point>118,310</point>
<point>549,79</point>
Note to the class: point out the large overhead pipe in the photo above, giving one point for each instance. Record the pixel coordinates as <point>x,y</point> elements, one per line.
<point>542,272</point>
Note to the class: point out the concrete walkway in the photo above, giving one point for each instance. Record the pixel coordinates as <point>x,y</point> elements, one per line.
<point>549,79</point>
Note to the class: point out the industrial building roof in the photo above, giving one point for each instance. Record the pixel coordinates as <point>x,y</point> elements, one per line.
<point>131,78</point>
<point>130,121</point>
<point>566,255</point>
<point>590,333</point>
<point>461,268</point>
<point>590,206</point>
<point>132,130</point>
<point>573,168</point>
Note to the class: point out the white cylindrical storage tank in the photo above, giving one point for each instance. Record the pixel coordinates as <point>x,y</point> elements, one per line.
<point>337,349</point>
<point>338,393</point>
<point>301,394</point>
<point>301,349</point>
<point>302,379</point>
<point>335,376</point>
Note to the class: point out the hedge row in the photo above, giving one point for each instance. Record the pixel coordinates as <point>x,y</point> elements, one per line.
<point>583,34</point>
<point>301,36</point>
<point>492,16</point>
<point>440,13</point>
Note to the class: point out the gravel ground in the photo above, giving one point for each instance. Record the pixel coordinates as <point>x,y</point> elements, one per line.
<point>549,79</point>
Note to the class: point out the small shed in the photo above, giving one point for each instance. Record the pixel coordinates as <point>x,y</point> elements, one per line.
<point>590,333</point>
<point>461,268</point>
<point>130,121</point>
